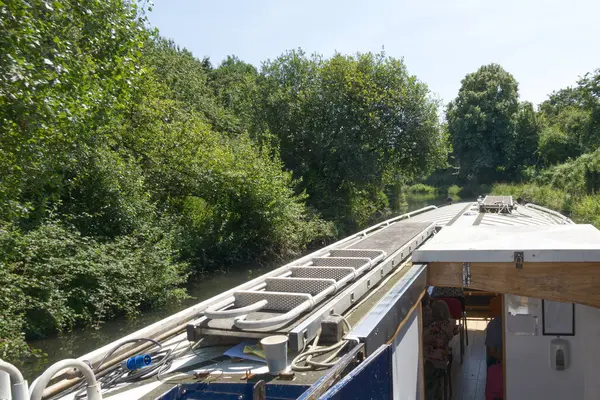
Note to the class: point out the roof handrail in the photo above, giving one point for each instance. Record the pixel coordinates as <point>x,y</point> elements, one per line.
<point>549,211</point>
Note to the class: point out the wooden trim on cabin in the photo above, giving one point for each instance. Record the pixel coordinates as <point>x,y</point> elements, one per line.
<point>408,314</point>
<point>573,282</point>
<point>421,354</point>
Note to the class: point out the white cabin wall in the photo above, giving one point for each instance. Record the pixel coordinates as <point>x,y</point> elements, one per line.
<point>406,358</point>
<point>528,370</point>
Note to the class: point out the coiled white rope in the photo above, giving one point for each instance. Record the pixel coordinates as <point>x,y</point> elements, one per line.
<point>304,361</point>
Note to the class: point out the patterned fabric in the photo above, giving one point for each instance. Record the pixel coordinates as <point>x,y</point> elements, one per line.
<point>436,339</point>
<point>447,292</point>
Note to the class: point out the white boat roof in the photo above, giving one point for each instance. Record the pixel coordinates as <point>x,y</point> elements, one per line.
<point>539,243</point>
<point>543,235</point>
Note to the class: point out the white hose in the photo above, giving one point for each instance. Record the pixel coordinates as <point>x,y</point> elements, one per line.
<point>18,383</point>
<point>316,350</point>
<point>93,389</point>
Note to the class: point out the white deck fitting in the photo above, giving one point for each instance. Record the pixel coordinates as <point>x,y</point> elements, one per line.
<point>544,243</point>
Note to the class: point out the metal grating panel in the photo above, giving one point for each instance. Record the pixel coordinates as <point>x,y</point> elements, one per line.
<point>354,262</point>
<point>499,204</point>
<point>299,285</point>
<point>276,301</point>
<point>336,273</point>
<point>355,253</point>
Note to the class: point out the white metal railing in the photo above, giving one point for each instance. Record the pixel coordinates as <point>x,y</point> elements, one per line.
<point>549,211</point>
<point>307,305</point>
<point>16,384</point>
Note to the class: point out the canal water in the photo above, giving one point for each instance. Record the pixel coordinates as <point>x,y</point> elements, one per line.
<point>79,342</point>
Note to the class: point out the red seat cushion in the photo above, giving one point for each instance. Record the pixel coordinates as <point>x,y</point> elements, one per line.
<point>454,306</point>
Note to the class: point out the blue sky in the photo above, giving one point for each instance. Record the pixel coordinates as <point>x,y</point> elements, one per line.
<point>545,44</point>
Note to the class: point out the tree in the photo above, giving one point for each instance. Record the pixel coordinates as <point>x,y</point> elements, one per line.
<point>65,70</point>
<point>576,112</point>
<point>590,87</point>
<point>187,78</point>
<point>529,126</point>
<point>349,125</point>
<point>556,146</point>
<point>120,169</point>
<point>481,122</point>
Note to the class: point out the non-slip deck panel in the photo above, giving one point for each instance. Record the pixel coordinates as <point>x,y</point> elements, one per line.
<point>336,273</point>
<point>393,237</point>
<point>354,262</point>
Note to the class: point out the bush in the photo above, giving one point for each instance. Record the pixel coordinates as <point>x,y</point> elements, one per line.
<point>54,279</point>
<point>556,146</point>
<point>580,176</point>
<point>421,188</point>
<point>587,210</point>
<point>583,209</point>
<point>454,190</point>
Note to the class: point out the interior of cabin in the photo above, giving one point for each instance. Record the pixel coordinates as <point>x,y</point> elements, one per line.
<point>548,350</point>
<point>541,284</point>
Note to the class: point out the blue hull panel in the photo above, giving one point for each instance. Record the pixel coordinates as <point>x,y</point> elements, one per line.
<point>231,391</point>
<point>372,379</point>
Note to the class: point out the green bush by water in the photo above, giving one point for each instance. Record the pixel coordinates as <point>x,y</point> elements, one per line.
<point>571,187</point>
<point>454,190</point>
<point>583,209</point>
<point>420,188</point>
<point>52,279</point>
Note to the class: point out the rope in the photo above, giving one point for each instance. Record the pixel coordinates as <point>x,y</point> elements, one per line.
<point>306,357</point>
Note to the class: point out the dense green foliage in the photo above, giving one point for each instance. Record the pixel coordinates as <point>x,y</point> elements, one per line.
<point>554,150</point>
<point>529,127</point>
<point>420,188</point>
<point>349,126</point>
<point>126,164</point>
<point>53,278</point>
<point>574,113</point>
<point>495,137</point>
<point>119,169</point>
<point>481,122</point>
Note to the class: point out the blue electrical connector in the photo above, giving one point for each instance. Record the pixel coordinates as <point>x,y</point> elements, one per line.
<point>137,362</point>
